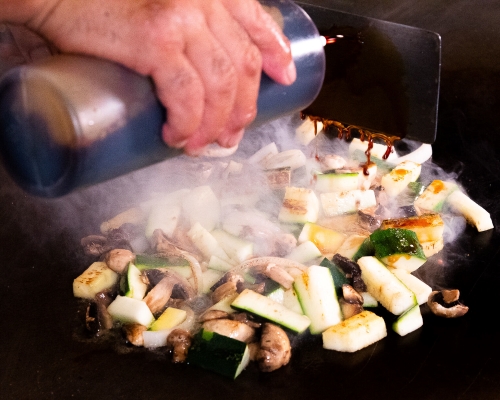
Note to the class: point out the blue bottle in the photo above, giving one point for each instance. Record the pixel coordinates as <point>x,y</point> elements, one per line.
<point>72,121</point>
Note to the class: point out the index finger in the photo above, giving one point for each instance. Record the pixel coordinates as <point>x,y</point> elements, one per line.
<point>277,61</point>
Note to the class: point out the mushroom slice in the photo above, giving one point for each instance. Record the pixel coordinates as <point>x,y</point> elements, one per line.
<point>243,317</point>
<point>119,239</point>
<point>95,245</point>
<point>254,349</point>
<point>256,287</point>
<point>227,277</point>
<point>167,249</point>
<point>445,304</point>
<point>179,340</point>
<point>233,329</point>
<point>158,297</point>
<point>224,290</point>
<point>371,218</point>
<point>352,271</point>
<point>351,302</point>
<point>276,273</point>
<point>133,333</point>
<point>118,259</point>
<point>350,295</point>
<point>213,314</point>
<point>102,301</point>
<point>275,350</point>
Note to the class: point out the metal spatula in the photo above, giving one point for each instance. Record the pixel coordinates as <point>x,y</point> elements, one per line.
<point>380,76</point>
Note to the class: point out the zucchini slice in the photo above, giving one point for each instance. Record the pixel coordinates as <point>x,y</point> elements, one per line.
<point>127,309</point>
<point>398,248</point>
<point>428,227</point>
<point>318,298</point>
<point>337,203</point>
<point>355,333</point>
<point>385,287</point>
<point>421,289</point>
<point>398,179</point>
<point>300,205</point>
<point>472,212</point>
<point>94,279</point>
<point>136,288</point>
<point>352,246</point>
<point>408,322</point>
<point>304,252</point>
<point>170,318</point>
<point>435,195</point>
<point>326,240</point>
<point>236,248</point>
<point>336,182</point>
<point>218,353</point>
<point>338,275</point>
<point>263,306</point>
<point>287,297</point>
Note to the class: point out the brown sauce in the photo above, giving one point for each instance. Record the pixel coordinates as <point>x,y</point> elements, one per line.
<point>345,132</point>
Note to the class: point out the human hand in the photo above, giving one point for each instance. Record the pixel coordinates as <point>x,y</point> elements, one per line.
<point>204,56</point>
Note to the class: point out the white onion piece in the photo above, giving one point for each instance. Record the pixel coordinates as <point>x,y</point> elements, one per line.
<point>189,323</point>
<point>154,339</point>
<point>262,154</point>
<point>419,156</point>
<point>293,158</point>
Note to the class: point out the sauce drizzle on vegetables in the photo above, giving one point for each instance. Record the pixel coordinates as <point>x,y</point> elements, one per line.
<point>345,132</point>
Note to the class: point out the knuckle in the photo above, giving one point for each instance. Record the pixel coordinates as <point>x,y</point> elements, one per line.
<point>243,117</point>
<point>186,84</point>
<point>222,66</point>
<point>225,78</point>
<point>252,63</point>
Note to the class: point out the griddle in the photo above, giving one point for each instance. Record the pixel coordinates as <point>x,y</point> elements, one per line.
<point>43,356</point>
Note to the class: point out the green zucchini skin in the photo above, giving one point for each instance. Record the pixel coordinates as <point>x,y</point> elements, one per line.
<point>219,354</point>
<point>408,322</point>
<point>366,249</point>
<point>338,275</point>
<point>391,241</point>
<point>265,307</point>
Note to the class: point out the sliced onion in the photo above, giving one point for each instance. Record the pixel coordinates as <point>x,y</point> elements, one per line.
<point>189,322</point>
<point>196,271</point>
<point>419,156</point>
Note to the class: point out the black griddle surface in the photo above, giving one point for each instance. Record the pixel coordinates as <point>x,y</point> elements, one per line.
<point>43,355</point>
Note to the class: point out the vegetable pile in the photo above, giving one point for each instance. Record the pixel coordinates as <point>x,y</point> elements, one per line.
<point>221,273</point>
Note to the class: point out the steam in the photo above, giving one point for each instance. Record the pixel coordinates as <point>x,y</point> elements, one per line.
<point>80,214</point>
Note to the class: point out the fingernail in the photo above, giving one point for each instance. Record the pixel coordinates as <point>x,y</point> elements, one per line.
<point>179,145</point>
<point>231,139</point>
<point>291,73</point>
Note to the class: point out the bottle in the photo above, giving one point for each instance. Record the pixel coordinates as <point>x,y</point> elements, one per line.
<point>71,121</point>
